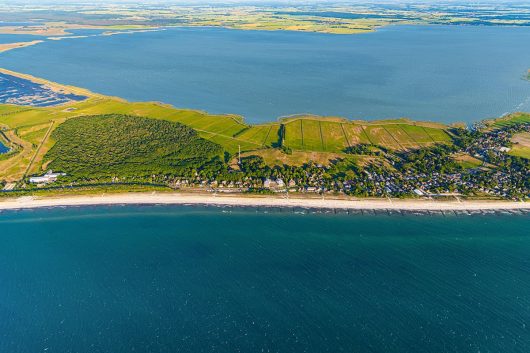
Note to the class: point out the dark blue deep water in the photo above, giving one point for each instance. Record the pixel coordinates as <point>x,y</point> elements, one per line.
<point>177,279</point>
<point>442,73</point>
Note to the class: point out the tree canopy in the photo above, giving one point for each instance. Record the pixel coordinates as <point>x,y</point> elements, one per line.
<point>123,146</point>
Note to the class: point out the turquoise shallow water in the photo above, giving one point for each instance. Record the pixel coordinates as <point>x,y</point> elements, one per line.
<point>183,279</point>
<point>442,73</point>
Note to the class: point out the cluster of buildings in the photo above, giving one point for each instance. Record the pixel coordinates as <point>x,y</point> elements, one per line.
<point>492,147</point>
<point>381,182</point>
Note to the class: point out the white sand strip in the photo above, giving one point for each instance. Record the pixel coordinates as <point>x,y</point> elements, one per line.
<point>257,201</point>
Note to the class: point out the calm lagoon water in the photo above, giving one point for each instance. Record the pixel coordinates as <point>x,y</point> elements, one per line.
<point>14,38</point>
<point>177,279</point>
<point>4,24</point>
<point>443,73</point>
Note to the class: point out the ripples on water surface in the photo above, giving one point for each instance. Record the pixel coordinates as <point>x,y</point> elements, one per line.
<point>178,279</point>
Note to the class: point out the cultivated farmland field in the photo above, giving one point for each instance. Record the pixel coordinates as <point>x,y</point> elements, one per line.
<point>321,134</point>
<point>521,145</point>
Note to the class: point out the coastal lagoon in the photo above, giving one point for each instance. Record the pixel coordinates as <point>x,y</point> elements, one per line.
<point>441,73</point>
<point>194,279</point>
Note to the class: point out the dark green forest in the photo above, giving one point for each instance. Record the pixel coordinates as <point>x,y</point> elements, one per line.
<point>103,146</point>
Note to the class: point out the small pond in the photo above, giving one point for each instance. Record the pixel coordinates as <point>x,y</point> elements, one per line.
<point>3,148</point>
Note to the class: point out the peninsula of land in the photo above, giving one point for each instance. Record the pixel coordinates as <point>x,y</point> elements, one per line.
<point>87,143</point>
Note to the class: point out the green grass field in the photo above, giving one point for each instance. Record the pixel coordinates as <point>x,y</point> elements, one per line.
<point>266,134</point>
<point>520,151</point>
<point>466,161</point>
<point>521,145</point>
<point>333,136</point>
<point>320,134</point>
<point>511,119</point>
<point>355,134</point>
<point>303,134</point>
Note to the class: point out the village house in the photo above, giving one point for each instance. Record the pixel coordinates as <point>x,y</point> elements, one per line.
<point>47,178</point>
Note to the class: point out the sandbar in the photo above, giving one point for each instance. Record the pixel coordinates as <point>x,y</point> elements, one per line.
<point>11,46</point>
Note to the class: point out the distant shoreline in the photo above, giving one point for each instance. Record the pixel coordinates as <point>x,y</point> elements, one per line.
<point>29,202</point>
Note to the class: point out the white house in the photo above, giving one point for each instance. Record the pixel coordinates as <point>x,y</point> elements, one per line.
<point>49,177</point>
<point>419,192</point>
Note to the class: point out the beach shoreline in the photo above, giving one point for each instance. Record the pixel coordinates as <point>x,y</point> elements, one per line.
<point>31,202</point>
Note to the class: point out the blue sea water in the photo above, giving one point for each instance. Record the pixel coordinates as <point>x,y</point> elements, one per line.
<point>442,73</point>
<point>193,279</point>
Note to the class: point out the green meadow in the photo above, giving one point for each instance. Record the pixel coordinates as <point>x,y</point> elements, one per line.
<point>335,135</point>
<point>510,120</point>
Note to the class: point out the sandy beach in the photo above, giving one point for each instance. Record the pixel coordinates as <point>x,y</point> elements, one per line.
<point>258,201</point>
